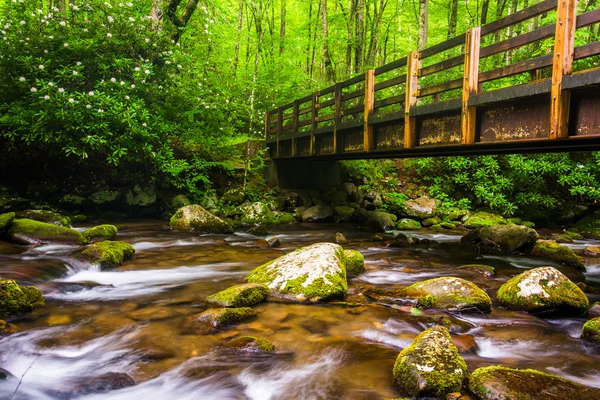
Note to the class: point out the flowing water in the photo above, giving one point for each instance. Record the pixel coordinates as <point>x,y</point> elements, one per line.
<point>132,320</point>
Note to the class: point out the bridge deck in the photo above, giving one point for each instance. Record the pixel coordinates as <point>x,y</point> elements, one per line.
<point>449,99</point>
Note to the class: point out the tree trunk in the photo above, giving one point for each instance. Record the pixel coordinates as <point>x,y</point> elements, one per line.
<point>282,28</point>
<point>350,37</point>
<point>452,19</point>
<point>374,43</point>
<point>329,72</point>
<point>240,22</point>
<point>484,11</point>
<point>157,14</point>
<point>360,35</point>
<point>423,23</point>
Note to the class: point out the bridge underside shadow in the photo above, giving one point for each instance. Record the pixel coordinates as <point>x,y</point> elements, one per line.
<point>306,174</point>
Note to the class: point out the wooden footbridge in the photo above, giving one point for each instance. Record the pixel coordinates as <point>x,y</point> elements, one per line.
<point>452,99</point>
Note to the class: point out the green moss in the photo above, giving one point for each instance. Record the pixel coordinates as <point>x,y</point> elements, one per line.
<point>48,217</point>
<point>17,300</point>
<point>259,230</point>
<point>283,218</point>
<point>407,224</point>
<point>355,262</point>
<point>481,219</point>
<point>108,254</point>
<point>485,270</point>
<point>431,221</point>
<point>194,218</point>
<point>431,365</point>
<point>101,232</point>
<point>402,296</point>
<point>454,293</point>
<point>589,226</point>
<point>5,220</point>
<point>220,317</point>
<point>244,295</point>
<point>251,344</point>
<point>27,231</point>
<point>591,330</point>
<point>556,252</point>
<point>5,328</point>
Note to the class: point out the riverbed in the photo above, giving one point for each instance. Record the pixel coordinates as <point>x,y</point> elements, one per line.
<point>132,319</point>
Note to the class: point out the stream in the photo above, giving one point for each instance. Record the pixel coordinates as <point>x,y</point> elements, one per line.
<point>132,320</point>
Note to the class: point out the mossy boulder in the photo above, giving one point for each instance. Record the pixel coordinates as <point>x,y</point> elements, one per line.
<point>485,270</point>
<point>355,262</point>
<point>543,289</point>
<point>101,232</point>
<point>591,330</point>
<point>250,344</point>
<point>244,295</point>
<point>256,213</point>
<point>407,224</point>
<point>108,254</point>
<point>431,221</point>
<point>401,296</point>
<point>553,251</point>
<point>481,219</point>
<point>344,213</point>
<point>17,300</point>
<point>502,383</point>
<point>431,365</point>
<point>380,221</point>
<point>259,230</point>
<point>312,273</point>
<point>284,218</point>
<point>233,197</point>
<point>195,218</point>
<point>28,231</point>
<point>5,220</point>
<point>318,214</point>
<point>449,292</point>
<point>220,317</point>
<point>589,226</point>
<point>49,217</point>
<point>421,208</point>
<point>508,239</point>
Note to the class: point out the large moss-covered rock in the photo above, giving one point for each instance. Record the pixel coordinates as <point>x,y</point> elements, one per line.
<point>250,344</point>
<point>101,232</point>
<point>5,220</point>
<point>49,217</point>
<point>407,224</point>
<point>195,218</point>
<point>28,231</point>
<point>431,366</point>
<point>455,293</point>
<point>543,289</point>
<point>244,295</point>
<point>312,273</point>
<point>501,383</point>
<point>481,219</point>
<point>256,213</point>
<point>17,300</point>
<point>355,262</point>
<point>591,330</point>
<point>421,208</point>
<point>589,226</point>
<point>318,214</point>
<point>108,254</point>
<point>220,317</point>
<point>380,221</point>
<point>551,250</point>
<point>510,239</point>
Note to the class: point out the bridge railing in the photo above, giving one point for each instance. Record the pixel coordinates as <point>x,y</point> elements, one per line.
<point>436,96</point>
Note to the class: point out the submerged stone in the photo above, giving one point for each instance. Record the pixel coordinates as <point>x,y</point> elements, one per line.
<point>591,330</point>
<point>455,293</point>
<point>557,252</point>
<point>273,242</point>
<point>17,300</point>
<point>244,295</point>
<point>431,366</point>
<point>27,231</point>
<point>502,383</point>
<point>219,317</point>
<point>251,344</point>
<point>340,238</point>
<point>312,273</point>
<point>355,262</point>
<point>108,254</point>
<point>484,270</point>
<point>543,289</point>
<point>101,232</point>
<point>195,218</point>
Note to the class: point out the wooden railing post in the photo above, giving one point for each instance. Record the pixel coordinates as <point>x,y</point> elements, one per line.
<point>369,107</point>
<point>279,127</point>
<point>470,85</point>
<point>337,117</point>
<point>315,115</point>
<point>412,85</point>
<point>560,100</point>
<point>295,117</point>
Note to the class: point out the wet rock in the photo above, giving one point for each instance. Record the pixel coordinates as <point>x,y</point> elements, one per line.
<point>484,270</point>
<point>431,221</point>
<point>502,383</point>
<point>340,238</point>
<point>402,296</point>
<point>456,214</point>
<point>567,237</point>
<point>510,239</point>
<point>17,300</point>
<point>378,220</point>
<point>355,262</point>
<point>273,242</point>
<point>591,251</point>
<point>591,330</point>
<point>195,218</point>
<point>256,213</point>
<point>314,325</point>
<point>5,220</point>
<point>244,295</point>
<point>553,251</point>
<point>27,231</point>
<point>220,317</point>
<point>4,374</point>
<point>454,293</point>
<point>589,226</point>
<point>259,230</point>
<point>594,310</point>
<point>48,217</point>
<point>100,233</point>
<point>6,328</point>
<point>153,313</point>
<point>318,214</point>
<point>482,219</point>
<point>108,254</point>
<point>465,343</point>
<point>543,289</point>
<point>421,208</point>
<point>431,366</point>
<point>312,273</point>
<point>250,344</point>
<point>408,225</point>
<point>105,383</point>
